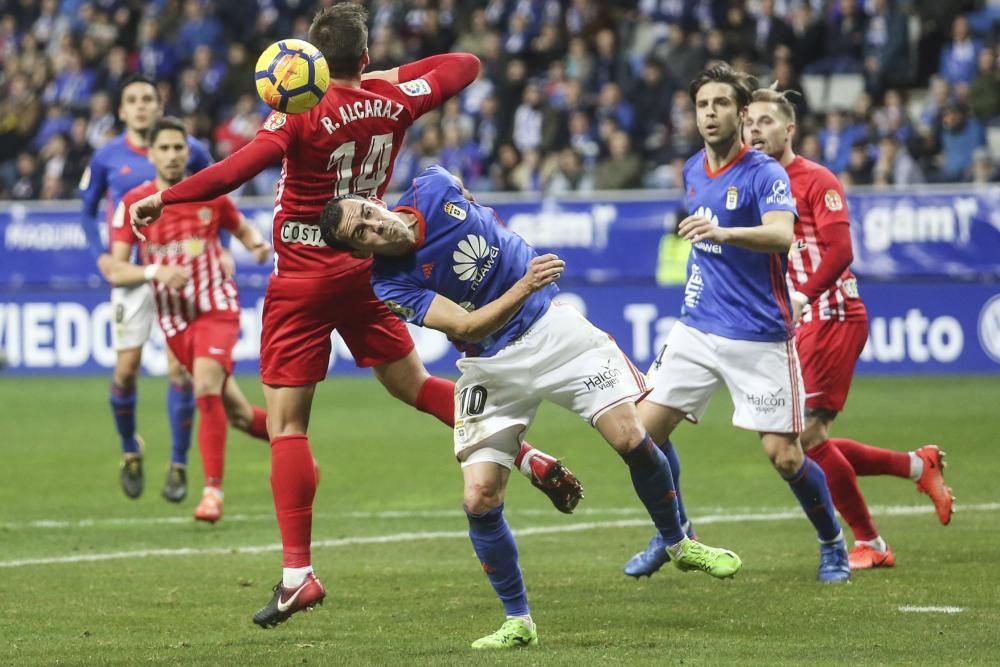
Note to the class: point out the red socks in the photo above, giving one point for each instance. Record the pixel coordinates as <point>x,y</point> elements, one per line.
<point>212,437</point>
<point>293,484</point>
<point>843,485</point>
<point>867,460</point>
<point>437,397</point>
<point>258,425</point>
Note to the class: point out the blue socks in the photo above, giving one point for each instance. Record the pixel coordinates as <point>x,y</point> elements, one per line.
<point>675,473</point>
<point>123,401</point>
<point>654,484</point>
<point>809,486</point>
<point>497,551</point>
<point>180,409</point>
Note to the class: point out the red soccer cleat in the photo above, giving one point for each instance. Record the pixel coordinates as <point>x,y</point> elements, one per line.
<point>210,507</point>
<point>932,483</point>
<point>287,601</point>
<point>555,480</point>
<point>863,557</point>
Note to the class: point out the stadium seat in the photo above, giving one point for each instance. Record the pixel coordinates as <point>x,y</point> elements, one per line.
<point>814,88</point>
<point>993,141</point>
<point>844,90</point>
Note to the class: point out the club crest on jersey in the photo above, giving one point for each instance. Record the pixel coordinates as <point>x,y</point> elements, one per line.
<point>427,269</point>
<point>454,210</point>
<point>205,215</point>
<point>732,198</point>
<point>275,120</point>
<point>415,88</point>
<point>832,200</point>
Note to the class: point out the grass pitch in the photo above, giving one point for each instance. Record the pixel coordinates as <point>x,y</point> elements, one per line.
<point>89,577</point>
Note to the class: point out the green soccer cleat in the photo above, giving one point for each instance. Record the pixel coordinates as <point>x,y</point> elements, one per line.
<point>514,633</point>
<point>689,555</point>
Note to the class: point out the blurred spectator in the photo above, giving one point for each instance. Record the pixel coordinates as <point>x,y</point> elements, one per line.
<point>28,180</point>
<point>100,126</point>
<point>198,29</point>
<point>984,91</point>
<point>961,135</point>
<point>809,36</point>
<point>622,168</point>
<point>859,165</point>
<point>894,166</point>
<point>652,104</point>
<point>836,139</point>
<point>567,173</point>
<point>958,59</point>
<point>157,56</point>
<point>983,169</point>
<point>843,40</point>
<point>527,175</point>
<point>240,128</point>
<point>683,55</point>
<point>887,48</point>
<point>73,82</point>
<point>771,31</point>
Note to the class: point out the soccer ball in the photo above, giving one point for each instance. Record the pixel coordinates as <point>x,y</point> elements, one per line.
<point>292,76</point>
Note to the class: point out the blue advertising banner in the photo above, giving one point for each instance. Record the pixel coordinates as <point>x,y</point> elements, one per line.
<point>952,234</point>
<point>914,328</point>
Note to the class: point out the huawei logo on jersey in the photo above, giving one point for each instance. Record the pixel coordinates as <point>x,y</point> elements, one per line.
<point>474,258</point>
<point>706,212</point>
<point>708,246</point>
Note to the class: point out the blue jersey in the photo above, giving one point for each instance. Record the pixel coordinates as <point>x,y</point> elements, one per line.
<point>115,168</point>
<point>464,254</point>
<point>734,292</point>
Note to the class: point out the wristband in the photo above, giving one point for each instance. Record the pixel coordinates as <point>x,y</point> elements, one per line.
<point>150,272</point>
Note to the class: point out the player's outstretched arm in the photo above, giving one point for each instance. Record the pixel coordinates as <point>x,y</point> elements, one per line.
<point>447,316</point>
<point>251,239</point>
<point>775,234</point>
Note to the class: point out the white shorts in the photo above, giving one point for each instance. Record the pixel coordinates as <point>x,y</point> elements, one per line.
<point>763,378</point>
<point>134,311</point>
<point>562,358</point>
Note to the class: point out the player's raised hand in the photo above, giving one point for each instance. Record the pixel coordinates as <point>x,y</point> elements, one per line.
<point>174,277</point>
<point>145,212</point>
<point>543,270</point>
<point>696,228</point>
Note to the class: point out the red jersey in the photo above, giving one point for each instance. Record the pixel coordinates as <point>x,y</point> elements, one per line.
<point>820,200</point>
<point>345,144</point>
<point>185,235</point>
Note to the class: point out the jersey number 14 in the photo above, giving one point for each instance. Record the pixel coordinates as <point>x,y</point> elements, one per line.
<point>371,174</point>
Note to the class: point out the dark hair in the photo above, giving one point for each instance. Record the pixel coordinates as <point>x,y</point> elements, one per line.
<point>136,78</point>
<point>164,123</point>
<point>341,34</point>
<point>330,219</point>
<point>721,72</point>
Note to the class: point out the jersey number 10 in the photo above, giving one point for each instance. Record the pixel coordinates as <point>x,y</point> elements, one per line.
<point>371,174</point>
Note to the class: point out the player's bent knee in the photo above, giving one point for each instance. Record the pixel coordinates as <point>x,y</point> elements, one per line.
<point>621,428</point>
<point>482,497</point>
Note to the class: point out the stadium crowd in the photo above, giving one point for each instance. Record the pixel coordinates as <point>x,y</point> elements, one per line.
<point>573,95</point>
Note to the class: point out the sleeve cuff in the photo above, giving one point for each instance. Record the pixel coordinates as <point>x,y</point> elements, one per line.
<point>799,298</point>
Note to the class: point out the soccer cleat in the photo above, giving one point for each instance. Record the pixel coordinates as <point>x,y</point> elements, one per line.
<point>287,601</point>
<point>131,471</point>
<point>210,507</point>
<point>834,566</point>
<point>932,483</point>
<point>175,488</point>
<point>654,556</point>
<point>720,563</point>
<point>555,480</point>
<point>864,557</point>
<point>514,633</point>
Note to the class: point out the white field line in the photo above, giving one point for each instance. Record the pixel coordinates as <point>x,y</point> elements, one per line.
<point>931,610</point>
<point>455,534</point>
<point>714,514</point>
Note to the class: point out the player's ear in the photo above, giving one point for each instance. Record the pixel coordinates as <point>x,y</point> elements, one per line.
<point>364,62</point>
<point>373,198</point>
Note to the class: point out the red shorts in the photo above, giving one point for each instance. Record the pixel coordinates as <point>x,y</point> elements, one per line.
<point>301,313</point>
<point>828,351</point>
<point>212,335</point>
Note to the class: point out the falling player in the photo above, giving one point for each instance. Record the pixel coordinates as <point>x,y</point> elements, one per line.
<point>832,330</point>
<point>347,143</point>
<point>520,349</point>
<point>198,305</point>
<point>116,168</point>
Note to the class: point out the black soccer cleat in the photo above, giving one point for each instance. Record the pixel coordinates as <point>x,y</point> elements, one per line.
<point>175,488</point>
<point>131,475</point>
<point>287,601</point>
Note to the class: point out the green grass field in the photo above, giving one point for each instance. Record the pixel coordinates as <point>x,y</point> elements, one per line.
<point>404,585</point>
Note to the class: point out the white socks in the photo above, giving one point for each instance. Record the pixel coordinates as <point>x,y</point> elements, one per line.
<point>292,577</point>
<point>916,466</point>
